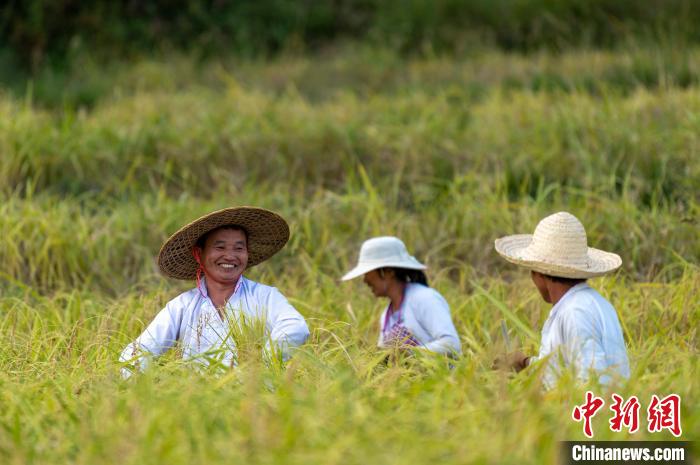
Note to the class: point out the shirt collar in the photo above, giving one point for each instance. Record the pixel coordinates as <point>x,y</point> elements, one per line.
<point>205,293</point>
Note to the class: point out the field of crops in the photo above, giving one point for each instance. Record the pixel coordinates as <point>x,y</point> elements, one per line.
<point>99,166</point>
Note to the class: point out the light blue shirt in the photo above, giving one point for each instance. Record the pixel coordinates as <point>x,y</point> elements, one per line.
<point>426,314</point>
<point>192,320</point>
<point>583,332</point>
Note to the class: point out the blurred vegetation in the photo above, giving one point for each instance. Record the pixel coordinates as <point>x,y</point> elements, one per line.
<point>448,154</point>
<point>35,32</point>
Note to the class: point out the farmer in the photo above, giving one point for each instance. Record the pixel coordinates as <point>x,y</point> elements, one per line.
<point>582,332</point>
<point>216,250</point>
<point>417,315</point>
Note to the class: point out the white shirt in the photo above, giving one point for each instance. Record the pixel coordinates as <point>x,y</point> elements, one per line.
<point>583,332</point>
<point>192,319</point>
<point>426,314</point>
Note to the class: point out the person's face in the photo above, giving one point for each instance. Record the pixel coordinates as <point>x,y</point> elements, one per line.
<point>378,283</point>
<point>541,284</point>
<point>225,255</point>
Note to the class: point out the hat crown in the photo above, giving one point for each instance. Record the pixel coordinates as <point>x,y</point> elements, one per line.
<point>559,247</point>
<point>383,249</point>
<point>560,235</point>
<point>381,252</point>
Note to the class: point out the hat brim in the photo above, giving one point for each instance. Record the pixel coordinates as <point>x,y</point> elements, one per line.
<point>363,268</point>
<point>598,262</point>
<point>267,233</point>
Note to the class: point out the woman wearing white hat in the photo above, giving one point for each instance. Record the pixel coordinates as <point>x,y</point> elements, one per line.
<point>582,331</point>
<point>417,315</point>
<point>221,246</point>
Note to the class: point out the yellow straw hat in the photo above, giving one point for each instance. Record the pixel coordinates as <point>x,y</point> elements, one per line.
<point>559,247</point>
<point>267,233</point>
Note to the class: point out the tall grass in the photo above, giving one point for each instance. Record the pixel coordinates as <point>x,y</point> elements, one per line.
<point>335,402</point>
<point>90,192</point>
<point>151,134</point>
<point>448,172</point>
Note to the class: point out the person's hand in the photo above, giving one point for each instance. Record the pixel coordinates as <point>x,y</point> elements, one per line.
<point>516,361</point>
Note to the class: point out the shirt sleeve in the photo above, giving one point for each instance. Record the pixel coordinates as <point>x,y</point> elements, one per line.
<point>582,343</point>
<point>287,327</point>
<point>160,335</point>
<point>433,314</point>
<point>380,339</point>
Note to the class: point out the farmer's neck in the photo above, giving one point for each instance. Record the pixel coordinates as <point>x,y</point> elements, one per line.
<point>219,292</point>
<point>556,290</point>
<point>395,293</point>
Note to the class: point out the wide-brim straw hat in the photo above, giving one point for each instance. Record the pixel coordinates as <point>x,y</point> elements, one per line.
<point>267,233</point>
<point>383,252</point>
<point>559,247</point>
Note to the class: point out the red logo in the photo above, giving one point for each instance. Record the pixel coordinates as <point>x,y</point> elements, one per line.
<point>665,414</point>
<point>662,413</point>
<point>587,411</point>
<point>626,414</point>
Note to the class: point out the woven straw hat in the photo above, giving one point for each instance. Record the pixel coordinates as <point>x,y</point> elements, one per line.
<point>558,247</point>
<point>381,252</point>
<point>267,234</point>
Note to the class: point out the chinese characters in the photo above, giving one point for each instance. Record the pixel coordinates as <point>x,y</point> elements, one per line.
<point>662,413</point>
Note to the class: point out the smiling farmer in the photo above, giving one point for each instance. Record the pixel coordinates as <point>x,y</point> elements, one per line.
<point>417,315</point>
<point>216,250</point>
<point>582,331</point>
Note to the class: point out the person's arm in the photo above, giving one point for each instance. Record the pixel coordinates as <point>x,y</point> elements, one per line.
<point>160,335</point>
<point>581,339</point>
<point>287,327</point>
<point>433,314</point>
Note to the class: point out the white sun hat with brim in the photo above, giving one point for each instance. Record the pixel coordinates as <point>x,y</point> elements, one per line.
<point>559,247</point>
<point>383,252</point>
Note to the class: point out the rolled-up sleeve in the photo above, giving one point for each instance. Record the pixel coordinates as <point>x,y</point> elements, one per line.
<point>159,336</point>
<point>286,325</point>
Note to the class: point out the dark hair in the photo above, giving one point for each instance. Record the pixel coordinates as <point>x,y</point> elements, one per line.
<point>569,281</point>
<point>203,238</point>
<point>408,276</point>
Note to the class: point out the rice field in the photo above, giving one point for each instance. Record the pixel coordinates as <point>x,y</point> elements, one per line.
<point>99,166</point>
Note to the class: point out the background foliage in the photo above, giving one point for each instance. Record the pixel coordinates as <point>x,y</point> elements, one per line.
<point>39,30</point>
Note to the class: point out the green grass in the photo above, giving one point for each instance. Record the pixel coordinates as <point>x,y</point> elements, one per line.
<point>446,154</point>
